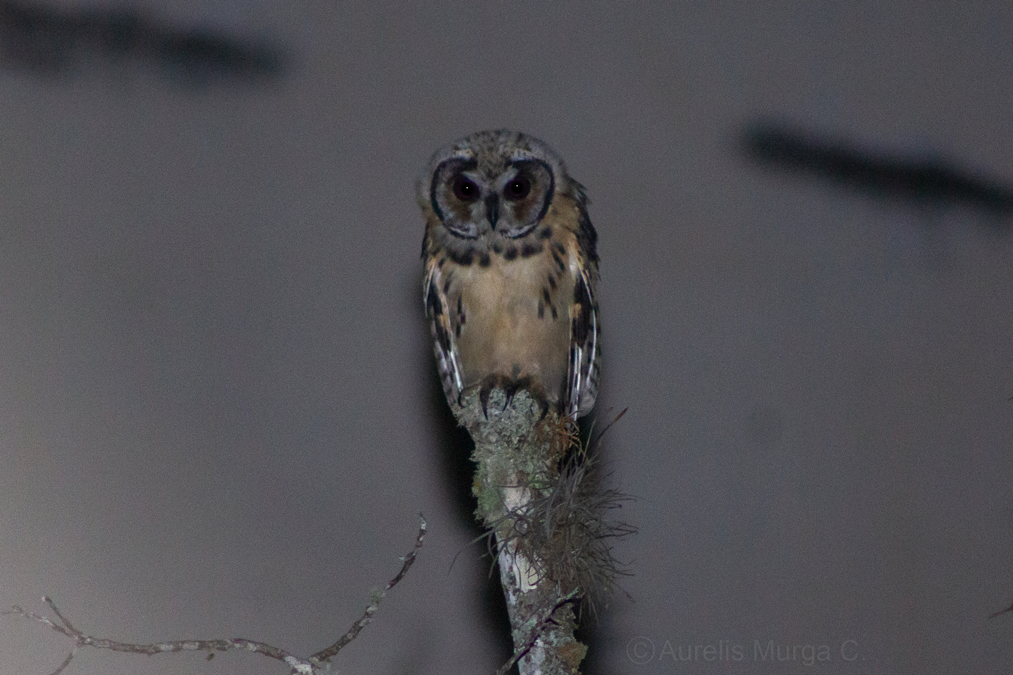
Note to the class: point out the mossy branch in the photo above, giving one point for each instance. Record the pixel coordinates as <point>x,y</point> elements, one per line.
<point>547,516</point>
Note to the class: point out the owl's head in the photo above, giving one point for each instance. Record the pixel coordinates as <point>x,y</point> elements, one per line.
<point>493,183</point>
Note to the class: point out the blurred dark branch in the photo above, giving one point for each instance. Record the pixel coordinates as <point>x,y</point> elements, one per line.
<point>928,181</point>
<point>46,39</point>
<point>1001,612</point>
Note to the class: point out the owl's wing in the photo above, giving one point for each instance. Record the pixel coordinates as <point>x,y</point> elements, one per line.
<point>585,357</point>
<point>447,359</point>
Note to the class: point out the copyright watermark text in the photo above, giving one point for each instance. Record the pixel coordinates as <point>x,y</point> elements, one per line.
<point>643,650</point>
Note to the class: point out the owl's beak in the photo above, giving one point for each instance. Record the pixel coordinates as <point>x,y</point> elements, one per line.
<point>492,210</point>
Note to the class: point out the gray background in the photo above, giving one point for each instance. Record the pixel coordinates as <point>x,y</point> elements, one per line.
<point>215,414</point>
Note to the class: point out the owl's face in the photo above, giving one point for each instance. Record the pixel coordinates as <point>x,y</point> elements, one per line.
<point>493,184</point>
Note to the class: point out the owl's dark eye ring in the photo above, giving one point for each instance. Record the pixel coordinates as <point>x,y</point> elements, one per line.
<point>518,188</point>
<point>465,189</point>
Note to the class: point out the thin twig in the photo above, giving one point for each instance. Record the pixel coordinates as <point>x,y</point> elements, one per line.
<point>310,666</point>
<point>608,426</point>
<point>367,617</point>
<point>536,633</point>
<point>66,662</point>
<point>83,640</point>
<point>1002,611</point>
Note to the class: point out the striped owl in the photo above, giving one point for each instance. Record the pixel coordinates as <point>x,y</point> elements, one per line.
<point>510,272</point>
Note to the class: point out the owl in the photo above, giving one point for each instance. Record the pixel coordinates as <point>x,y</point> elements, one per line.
<point>510,272</point>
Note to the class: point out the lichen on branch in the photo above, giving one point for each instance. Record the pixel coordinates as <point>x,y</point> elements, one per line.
<point>547,510</point>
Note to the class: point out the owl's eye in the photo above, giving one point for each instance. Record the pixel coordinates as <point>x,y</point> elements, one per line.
<point>518,188</point>
<point>465,189</point>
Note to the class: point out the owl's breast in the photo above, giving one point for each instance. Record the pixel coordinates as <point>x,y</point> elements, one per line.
<point>511,318</point>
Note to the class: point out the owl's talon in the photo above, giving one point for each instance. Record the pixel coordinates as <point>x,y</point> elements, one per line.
<point>510,389</point>
<point>513,386</point>
<point>483,396</point>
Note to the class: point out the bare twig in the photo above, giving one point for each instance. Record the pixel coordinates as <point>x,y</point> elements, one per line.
<point>1001,612</point>
<point>608,426</point>
<point>83,640</point>
<point>302,666</point>
<point>536,632</point>
<point>66,661</point>
<point>367,617</point>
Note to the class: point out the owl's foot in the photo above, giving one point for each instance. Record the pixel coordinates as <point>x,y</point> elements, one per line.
<point>491,382</point>
<point>510,387</point>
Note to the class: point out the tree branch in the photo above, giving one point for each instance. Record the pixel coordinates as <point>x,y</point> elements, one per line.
<point>325,655</point>
<point>518,449</point>
<point>314,665</point>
